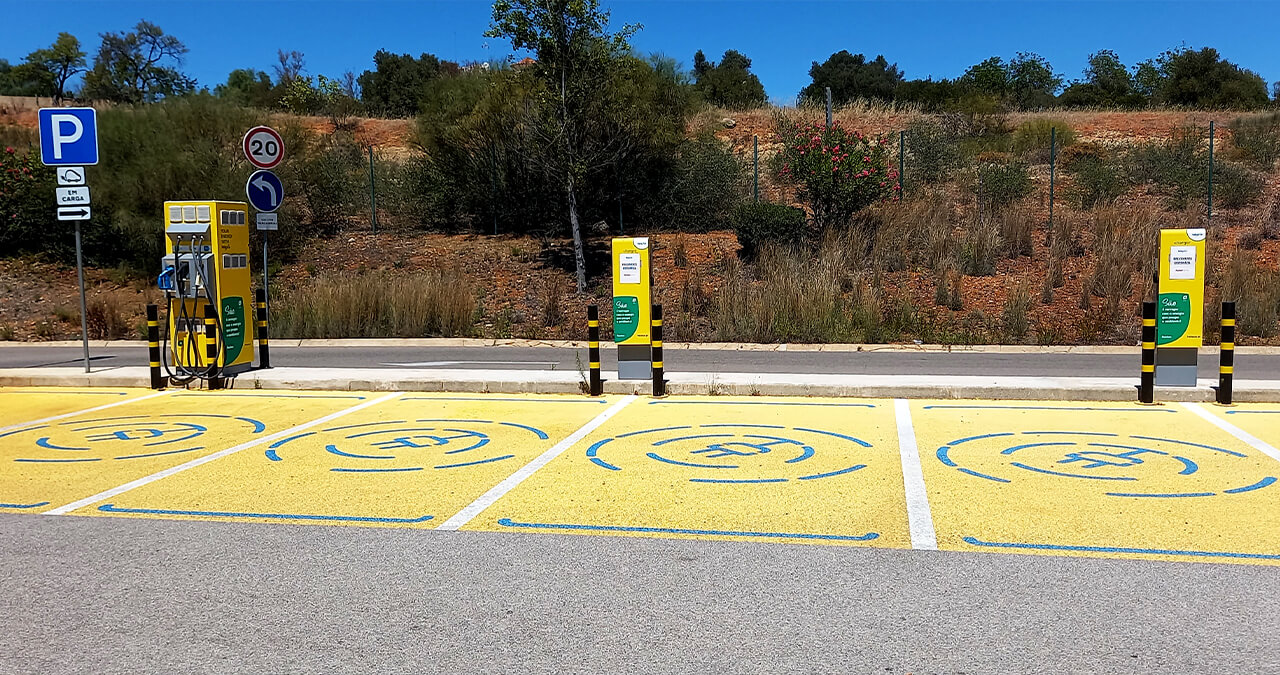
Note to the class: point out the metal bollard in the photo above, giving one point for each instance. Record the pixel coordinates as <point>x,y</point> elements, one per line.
<point>655,343</point>
<point>264,349</point>
<point>1146,388</point>
<point>593,349</point>
<point>1227,353</point>
<point>158,380</point>
<point>211,345</point>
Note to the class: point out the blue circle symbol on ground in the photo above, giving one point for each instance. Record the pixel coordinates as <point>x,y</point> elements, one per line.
<point>1119,466</point>
<point>409,445</point>
<point>736,453</point>
<point>124,438</point>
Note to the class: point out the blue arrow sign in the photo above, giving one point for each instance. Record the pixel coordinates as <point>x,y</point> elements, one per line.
<point>265,191</point>
<point>68,136</point>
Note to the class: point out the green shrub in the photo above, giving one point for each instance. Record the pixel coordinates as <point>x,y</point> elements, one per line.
<point>1033,136</point>
<point>1002,183</point>
<point>761,223</point>
<point>1257,137</point>
<point>1177,167</point>
<point>26,207</point>
<point>1234,186</point>
<point>932,152</point>
<point>840,172</point>
<point>1097,176</point>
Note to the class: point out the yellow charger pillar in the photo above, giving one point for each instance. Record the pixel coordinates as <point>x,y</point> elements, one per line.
<point>1180,306</point>
<point>206,263</point>
<point>632,299</point>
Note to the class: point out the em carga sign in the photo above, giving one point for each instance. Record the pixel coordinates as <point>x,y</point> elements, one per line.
<point>632,295</point>
<point>1180,306</point>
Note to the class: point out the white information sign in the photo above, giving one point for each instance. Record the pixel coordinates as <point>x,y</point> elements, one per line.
<point>71,175</point>
<point>629,268</point>
<point>73,196</point>
<point>267,221</point>
<point>73,213</point>
<point>1182,262</point>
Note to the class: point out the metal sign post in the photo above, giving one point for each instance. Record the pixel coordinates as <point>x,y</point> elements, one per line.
<point>69,141</point>
<point>264,148</point>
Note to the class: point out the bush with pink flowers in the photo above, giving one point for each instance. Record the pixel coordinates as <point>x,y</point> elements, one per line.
<point>26,202</point>
<point>839,171</point>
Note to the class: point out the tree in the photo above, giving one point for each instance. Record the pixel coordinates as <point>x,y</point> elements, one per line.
<point>59,62</point>
<point>851,77</point>
<point>289,67</point>
<point>1106,83</point>
<point>989,78</point>
<point>1032,82</point>
<point>247,87</point>
<point>728,84</point>
<point>136,67</point>
<point>1202,78</point>
<point>395,87</point>
<point>1275,91</point>
<point>575,54</point>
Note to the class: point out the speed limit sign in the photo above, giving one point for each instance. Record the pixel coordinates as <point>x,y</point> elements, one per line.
<point>264,147</point>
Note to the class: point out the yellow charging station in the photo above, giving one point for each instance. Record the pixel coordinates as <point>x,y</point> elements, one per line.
<point>1180,305</point>
<point>206,263</point>
<point>632,302</point>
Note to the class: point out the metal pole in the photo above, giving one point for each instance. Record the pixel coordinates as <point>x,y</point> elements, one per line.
<point>1227,353</point>
<point>755,162</point>
<point>902,167</point>
<point>84,327</point>
<point>655,342</point>
<point>596,386</point>
<point>617,179</point>
<point>1146,386</point>
<point>828,106</point>
<point>1053,166</point>
<point>266,295</point>
<point>153,347</point>
<point>373,194</point>
<point>1209,217</point>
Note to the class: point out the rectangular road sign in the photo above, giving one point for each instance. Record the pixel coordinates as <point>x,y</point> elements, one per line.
<point>73,196</point>
<point>68,136</point>
<point>267,221</point>
<point>73,213</point>
<point>71,175</point>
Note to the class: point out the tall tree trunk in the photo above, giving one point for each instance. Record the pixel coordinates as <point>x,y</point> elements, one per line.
<point>579,255</point>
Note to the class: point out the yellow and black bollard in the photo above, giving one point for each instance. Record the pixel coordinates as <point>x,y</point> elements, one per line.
<point>211,345</point>
<point>593,349</point>
<point>264,349</point>
<point>158,380</point>
<point>659,384</point>
<point>1146,387</point>
<point>1227,353</point>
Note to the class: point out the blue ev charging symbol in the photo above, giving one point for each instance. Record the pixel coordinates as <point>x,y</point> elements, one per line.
<point>1121,466</point>
<point>123,438</point>
<point>409,445</point>
<point>737,453</point>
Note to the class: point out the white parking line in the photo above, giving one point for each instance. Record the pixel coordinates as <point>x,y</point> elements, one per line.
<point>1257,443</point>
<point>919,516</point>
<point>81,412</point>
<point>107,494</point>
<point>496,492</point>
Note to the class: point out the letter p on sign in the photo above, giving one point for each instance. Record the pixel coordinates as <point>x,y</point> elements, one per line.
<point>68,136</point>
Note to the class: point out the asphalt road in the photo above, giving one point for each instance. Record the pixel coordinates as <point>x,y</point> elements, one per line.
<point>1248,366</point>
<point>107,595</point>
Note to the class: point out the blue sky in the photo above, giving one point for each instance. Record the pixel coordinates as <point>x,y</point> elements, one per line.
<point>782,38</point>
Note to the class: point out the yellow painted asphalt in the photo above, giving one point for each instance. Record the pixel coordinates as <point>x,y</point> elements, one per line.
<point>1090,479</point>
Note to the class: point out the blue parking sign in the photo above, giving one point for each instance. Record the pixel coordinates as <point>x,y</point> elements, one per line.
<point>68,136</point>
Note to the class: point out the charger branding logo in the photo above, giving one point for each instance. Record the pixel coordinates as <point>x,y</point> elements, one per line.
<point>734,453</point>
<point>232,327</point>
<point>1114,465</point>
<point>124,438</point>
<point>407,445</point>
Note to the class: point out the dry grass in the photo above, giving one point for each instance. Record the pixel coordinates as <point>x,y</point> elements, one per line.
<point>377,304</point>
<point>1256,292</point>
<point>112,316</point>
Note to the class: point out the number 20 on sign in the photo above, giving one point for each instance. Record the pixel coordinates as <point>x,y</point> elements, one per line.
<point>263,147</point>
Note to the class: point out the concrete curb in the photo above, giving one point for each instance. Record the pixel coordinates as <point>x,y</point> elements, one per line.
<point>705,384</point>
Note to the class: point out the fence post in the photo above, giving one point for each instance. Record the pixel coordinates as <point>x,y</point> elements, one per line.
<point>828,107</point>
<point>1209,214</point>
<point>755,162</point>
<point>373,194</point>
<point>1053,166</point>
<point>1227,353</point>
<point>264,342</point>
<point>1146,387</point>
<point>659,384</point>
<point>211,349</point>
<point>902,164</point>
<point>153,347</point>
<point>593,349</point>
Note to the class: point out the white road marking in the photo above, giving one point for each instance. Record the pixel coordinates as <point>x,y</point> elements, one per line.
<point>108,494</point>
<point>428,364</point>
<point>919,516</point>
<point>496,492</point>
<point>1257,443</point>
<point>81,412</point>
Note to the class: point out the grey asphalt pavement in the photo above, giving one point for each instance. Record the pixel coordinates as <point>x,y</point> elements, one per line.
<point>1248,366</point>
<point>106,595</point>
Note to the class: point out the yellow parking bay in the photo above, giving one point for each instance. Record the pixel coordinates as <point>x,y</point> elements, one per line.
<point>1109,479</point>
<point>46,465</point>
<point>795,470</point>
<point>411,462</point>
<point>1259,419</point>
<point>19,405</point>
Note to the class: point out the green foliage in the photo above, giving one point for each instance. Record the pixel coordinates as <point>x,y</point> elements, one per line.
<point>1032,82</point>
<point>840,172</point>
<point>1107,84</point>
<point>1097,176</point>
<point>57,63</point>
<point>1176,167</point>
<point>1034,136</point>
<point>139,66</point>
<point>698,190</point>
<point>852,76</point>
<point>728,84</point>
<point>1257,137</point>
<point>247,87</point>
<point>20,80</point>
<point>1201,79</point>
<point>26,203</point>
<point>763,223</point>
<point>1234,186</point>
<point>989,78</point>
<point>932,153</point>
<point>396,85</point>
<point>1001,183</point>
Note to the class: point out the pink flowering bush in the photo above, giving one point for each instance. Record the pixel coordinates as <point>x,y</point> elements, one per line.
<point>26,201</point>
<point>839,171</point>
